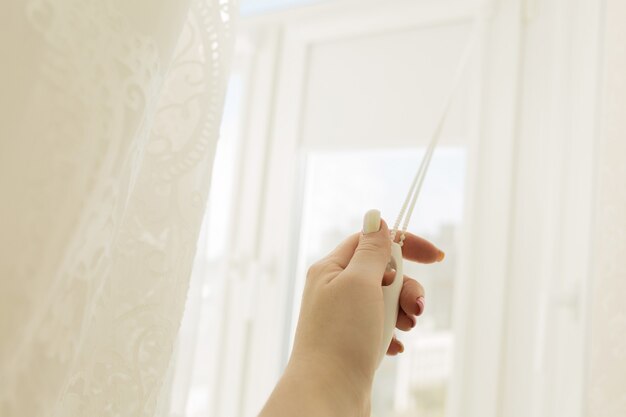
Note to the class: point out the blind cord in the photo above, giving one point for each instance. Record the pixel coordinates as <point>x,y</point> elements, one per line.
<point>416,186</point>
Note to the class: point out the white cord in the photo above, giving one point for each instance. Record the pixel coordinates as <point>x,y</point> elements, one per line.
<point>418,180</point>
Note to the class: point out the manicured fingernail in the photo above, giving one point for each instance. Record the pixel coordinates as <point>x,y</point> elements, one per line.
<point>371,222</point>
<point>441,256</point>
<point>420,305</point>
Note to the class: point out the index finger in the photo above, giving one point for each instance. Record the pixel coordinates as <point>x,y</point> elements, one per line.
<point>420,250</point>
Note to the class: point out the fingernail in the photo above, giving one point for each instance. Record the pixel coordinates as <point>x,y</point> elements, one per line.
<point>441,256</point>
<point>401,347</point>
<point>420,305</point>
<point>371,222</point>
<point>413,320</point>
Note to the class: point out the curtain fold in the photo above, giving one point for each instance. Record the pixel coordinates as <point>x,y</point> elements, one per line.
<point>111,112</point>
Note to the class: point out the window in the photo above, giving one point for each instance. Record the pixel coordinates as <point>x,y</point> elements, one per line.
<point>255,7</point>
<point>323,91</point>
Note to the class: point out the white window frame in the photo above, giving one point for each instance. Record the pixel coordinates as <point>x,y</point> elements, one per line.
<point>488,370</point>
<point>544,348</point>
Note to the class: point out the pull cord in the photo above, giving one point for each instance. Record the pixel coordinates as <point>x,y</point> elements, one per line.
<point>416,186</point>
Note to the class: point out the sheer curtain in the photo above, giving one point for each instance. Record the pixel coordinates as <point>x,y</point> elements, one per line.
<point>606,396</point>
<point>109,118</point>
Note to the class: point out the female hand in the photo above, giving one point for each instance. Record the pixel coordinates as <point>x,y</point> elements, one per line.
<point>340,328</point>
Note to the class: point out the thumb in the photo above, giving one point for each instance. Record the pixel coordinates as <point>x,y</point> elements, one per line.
<point>373,252</point>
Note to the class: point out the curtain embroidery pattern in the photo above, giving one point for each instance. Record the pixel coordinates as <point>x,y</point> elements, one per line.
<point>110,157</point>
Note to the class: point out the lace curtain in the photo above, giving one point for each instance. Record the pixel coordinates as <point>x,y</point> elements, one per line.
<point>110,113</point>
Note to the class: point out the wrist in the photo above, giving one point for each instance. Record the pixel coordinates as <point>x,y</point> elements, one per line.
<point>331,385</point>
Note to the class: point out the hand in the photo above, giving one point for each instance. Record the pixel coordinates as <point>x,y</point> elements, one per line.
<point>341,323</point>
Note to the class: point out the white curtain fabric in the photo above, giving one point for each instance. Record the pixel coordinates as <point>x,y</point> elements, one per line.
<point>606,393</point>
<point>110,113</point>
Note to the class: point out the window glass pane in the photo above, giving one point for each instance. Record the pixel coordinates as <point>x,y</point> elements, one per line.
<point>255,7</point>
<point>339,187</point>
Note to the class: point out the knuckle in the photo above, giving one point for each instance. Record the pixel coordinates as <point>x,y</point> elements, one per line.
<point>376,244</point>
<point>420,289</point>
<point>315,270</point>
<point>411,284</point>
<point>378,247</point>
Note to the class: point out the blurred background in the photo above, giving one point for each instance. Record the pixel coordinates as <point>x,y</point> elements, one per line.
<point>330,107</point>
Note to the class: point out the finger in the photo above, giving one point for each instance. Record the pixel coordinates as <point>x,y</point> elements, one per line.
<point>388,277</point>
<point>373,251</point>
<point>405,322</point>
<point>409,295</point>
<point>420,250</point>
<point>395,347</point>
